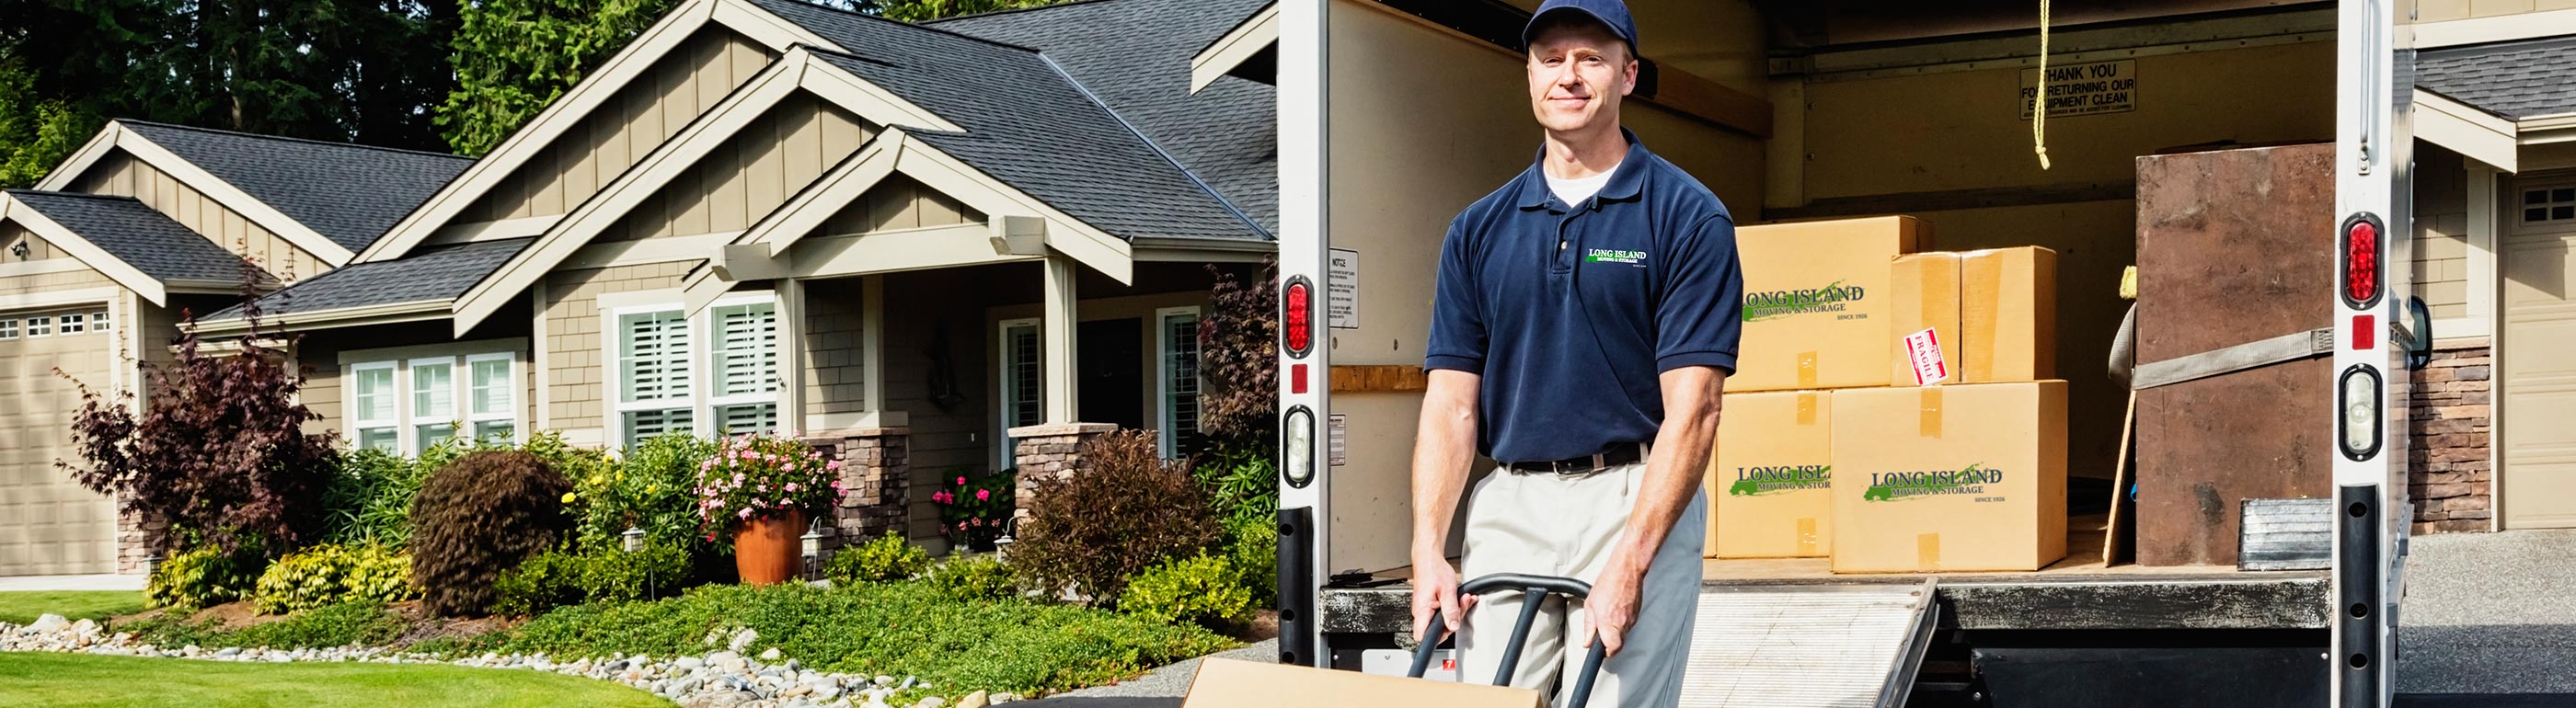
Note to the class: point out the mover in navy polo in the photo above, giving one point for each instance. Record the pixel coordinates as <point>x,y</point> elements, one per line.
<point>1570,337</point>
<point>1583,326</point>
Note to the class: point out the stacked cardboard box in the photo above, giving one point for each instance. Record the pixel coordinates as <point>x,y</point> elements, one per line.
<point>1832,445</point>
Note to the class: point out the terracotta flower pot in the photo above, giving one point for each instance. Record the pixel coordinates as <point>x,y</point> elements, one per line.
<point>765,550</point>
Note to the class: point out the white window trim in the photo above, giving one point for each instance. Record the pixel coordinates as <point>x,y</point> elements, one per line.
<point>8,329</point>
<point>701,406</point>
<point>1003,454</point>
<point>98,321</point>
<point>459,357</point>
<point>704,361</point>
<point>40,326</point>
<point>616,375</point>
<point>352,410</point>
<point>510,413</point>
<point>411,417</point>
<point>71,323</point>
<point>1163,422</point>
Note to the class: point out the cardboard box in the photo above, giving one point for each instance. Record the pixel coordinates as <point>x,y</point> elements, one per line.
<point>1816,301</point>
<point>1964,477</point>
<point>1926,286</point>
<point>2008,315</point>
<point>1229,683</point>
<point>1772,476</point>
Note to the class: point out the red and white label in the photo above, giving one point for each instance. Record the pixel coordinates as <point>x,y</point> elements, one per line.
<point>1924,349</point>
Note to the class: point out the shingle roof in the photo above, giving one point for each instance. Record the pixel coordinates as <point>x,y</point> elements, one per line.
<point>348,193</point>
<point>1027,123</point>
<point>2515,79</point>
<point>1226,133</point>
<point>439,275</point>
<point>137,234</point>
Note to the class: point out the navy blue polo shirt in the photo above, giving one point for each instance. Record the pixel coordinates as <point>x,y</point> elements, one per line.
<point>1570,341</point>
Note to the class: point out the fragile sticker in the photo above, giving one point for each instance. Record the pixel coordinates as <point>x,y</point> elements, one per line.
<point>1924,350</point>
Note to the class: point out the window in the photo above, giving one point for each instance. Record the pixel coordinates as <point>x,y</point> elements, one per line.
<point>2547,205</point>
<point>8,329</point>
<point>491,409</point>
<point>433,402</point>
<point>1022,383</point>
<point>72,323</point>
<point>743,369</point>
<point>40,327</point>
<point>1178,330</point>
<point>372,417</point>
<point>98,321</point>
<point>653,374</point>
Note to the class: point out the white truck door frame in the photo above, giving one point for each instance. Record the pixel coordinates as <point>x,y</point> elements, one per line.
<point>1305,373</point>
<point>2373,193</point>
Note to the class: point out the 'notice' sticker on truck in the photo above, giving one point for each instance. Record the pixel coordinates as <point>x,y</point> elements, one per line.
<point>1924,350</point>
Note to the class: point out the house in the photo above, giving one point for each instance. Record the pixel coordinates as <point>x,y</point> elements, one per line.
<point>923,247</point>
<point>144,225</point>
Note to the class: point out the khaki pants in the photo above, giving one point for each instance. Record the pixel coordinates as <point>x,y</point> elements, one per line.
<point>1565,525</point>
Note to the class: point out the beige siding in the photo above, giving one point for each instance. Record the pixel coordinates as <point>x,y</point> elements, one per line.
<point>835,366</point>
<point>48,524</point>
<point>576,350</point>
<point>2439,10</point>
<point>945,306</point>
<point>121,174</point>
<point>38,249</point>
<point>2441,231</point>
<point>647,111</point>
<point>750,174</point>
<point>899,203</point>
<point>51,282</point>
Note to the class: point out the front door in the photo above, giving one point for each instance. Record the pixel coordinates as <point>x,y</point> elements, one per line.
<point>1112,371</point>
<point>2539,376</point>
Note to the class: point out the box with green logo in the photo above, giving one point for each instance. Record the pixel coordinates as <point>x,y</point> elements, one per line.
<point>1817,303</point>
<point>1963,477</point>
<point>1771,478</point>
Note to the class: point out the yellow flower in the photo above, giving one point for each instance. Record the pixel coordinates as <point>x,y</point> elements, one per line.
<point>595,479</point>
<point>568,497</point>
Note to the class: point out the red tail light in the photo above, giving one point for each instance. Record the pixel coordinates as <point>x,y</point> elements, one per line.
<point>1297,319</point>
<point>2361,262</point>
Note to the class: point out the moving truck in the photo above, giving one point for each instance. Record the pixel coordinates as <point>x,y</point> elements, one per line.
<point>1394,114</point>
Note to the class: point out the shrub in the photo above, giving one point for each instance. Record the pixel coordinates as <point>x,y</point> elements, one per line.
<point>344,624</point>
<point>762,477</point>
<point>1254,552</point>
<point>1127,512</point>
<point>543,582</point>
<point>973,511</point>
<point>1203,590</point>
<point>887,557</point>
<point>331,574</point>
<point>1242,483</point>
<point>1239,358</point>
<point>651,488</point>
<point>973,578</point>
<point>478,516</point>
<point>621,576</point>
<point>219,452</point>
<point>202,577</point>
<point>369,501</point>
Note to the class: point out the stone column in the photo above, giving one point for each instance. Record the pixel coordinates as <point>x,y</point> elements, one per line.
<point>1048,452</point>
<point>2449,471</point>
<point>135,539</point>
<point>875,469</point>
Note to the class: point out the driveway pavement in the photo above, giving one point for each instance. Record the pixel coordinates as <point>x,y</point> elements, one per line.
<point>71,582</point>
<point>2488,613</point>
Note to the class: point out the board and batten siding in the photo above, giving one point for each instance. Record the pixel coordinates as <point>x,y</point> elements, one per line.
<point>898,203</point>
<point>644,113</point>
<point>577,376</point>
<point>122,175</point>
<point>748,176</point>
<point>38,249</point>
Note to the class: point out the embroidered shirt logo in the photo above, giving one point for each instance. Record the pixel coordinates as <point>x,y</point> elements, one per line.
<point>1606,255</point>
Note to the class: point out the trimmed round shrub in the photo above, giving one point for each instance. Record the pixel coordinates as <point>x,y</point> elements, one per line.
<point>973,578</point>
<point>478,516</point>
<point>1128,510</point>
<point>332,574</point>
<point>1203,590</point>
<point>884,558</point>
<point>202,577</point>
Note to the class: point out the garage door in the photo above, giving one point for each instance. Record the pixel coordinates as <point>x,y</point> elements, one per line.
<point>48,524</point>
<point>2539,375</point>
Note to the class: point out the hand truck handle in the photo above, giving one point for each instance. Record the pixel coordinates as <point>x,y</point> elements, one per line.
<point>1539,586</point>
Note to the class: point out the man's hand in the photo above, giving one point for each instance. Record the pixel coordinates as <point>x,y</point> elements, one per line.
<point>1611,609</point>
<point>1435,589</point>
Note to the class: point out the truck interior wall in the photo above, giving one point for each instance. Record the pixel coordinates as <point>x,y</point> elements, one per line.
<point>1423,123</point>
<point>1899,142</point>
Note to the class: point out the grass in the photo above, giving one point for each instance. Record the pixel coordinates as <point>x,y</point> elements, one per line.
<point>24,606</point>
<point>87,681</point>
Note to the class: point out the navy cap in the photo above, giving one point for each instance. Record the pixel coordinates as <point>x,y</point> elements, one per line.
<point>1608,12</point>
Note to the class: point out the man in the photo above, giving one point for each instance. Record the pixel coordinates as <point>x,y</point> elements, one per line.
<point>1585,320</point>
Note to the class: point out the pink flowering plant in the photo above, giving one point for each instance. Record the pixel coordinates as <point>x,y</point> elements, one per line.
<point>761,477</point>
<point>973,509</point>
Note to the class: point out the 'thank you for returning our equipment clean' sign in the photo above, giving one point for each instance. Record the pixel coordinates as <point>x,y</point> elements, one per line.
<point>2084,89</point>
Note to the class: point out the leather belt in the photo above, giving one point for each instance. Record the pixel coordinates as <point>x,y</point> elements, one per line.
<point>1618,454</point>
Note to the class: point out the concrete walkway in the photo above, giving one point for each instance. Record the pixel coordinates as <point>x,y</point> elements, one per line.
<point>71,582</point>
<point>1161,688</point>
<point>2488,613</point>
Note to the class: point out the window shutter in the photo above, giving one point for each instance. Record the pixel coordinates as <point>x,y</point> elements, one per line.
<point>747,350</point>
<point>657,365</point>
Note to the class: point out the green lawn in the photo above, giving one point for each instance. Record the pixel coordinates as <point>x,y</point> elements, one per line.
<point>21,607</point>
<point>65,680</point>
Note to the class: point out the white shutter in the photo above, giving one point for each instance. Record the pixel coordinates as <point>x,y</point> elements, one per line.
<point>656,346</point>
<point>746,350</point>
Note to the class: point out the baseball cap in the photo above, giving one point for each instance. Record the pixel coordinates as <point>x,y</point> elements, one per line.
<point>1608,12</point>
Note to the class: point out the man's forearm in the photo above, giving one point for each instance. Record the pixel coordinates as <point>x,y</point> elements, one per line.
<point>1677,463</point>
<point>1443,449</point>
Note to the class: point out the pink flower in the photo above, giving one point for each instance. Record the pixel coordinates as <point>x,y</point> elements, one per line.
<point>790,467</point>
<point>961,481</point>
<point>983,495</point>
<point>961,526</point>
<point>737,478</point>
<point>791,487</point>
<point>746,513</point>
<point>707,465</point>
<point>834,465</point>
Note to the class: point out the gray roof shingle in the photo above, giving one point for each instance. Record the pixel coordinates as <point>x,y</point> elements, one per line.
<point>2516,79</point>
<point>1028,124</point>
<point>350,194</point>
<point>1226,133</point>
<point>137,234</point>
<point>439,275</point>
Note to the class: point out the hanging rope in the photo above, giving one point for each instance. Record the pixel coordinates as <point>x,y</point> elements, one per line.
<point>2039,98</point>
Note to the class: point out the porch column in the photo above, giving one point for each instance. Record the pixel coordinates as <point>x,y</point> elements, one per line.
<point>876,469</point>
<point>1058,373</point>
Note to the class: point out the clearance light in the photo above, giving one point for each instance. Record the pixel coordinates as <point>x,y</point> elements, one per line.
<point>2360,408</point>
<point>1297,317</point>
<point>1297,443</point>
<point>2361,261</point>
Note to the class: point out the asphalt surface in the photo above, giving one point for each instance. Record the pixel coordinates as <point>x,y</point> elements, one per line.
<point>2489,613</point>
<point>1161,688</point>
